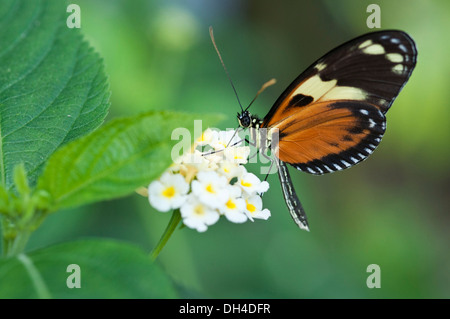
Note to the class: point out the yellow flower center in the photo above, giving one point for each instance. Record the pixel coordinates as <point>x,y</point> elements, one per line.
<point>210,189</point>
<point>245,184</point>
<point>250,207</point>
<point>199,210</point>
<point>230,204</point>
<point>169,192</point>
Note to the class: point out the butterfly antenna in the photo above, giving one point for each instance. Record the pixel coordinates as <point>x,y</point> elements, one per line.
<point>223,64</point>
<point>263,87</point>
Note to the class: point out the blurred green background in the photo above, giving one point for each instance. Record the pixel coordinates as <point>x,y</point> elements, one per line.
<point>391,210</point>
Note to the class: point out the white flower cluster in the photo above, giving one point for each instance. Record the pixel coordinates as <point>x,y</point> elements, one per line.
<point>210,182</point>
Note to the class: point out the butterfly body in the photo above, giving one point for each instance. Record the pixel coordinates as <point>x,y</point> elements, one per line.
<point>333,115</point>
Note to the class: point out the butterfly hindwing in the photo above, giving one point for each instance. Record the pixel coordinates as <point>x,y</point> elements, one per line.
<point>331,136</point>
<point>332,116</point>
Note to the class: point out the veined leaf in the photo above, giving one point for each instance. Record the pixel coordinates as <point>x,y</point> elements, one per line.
<point>116,159</point>
<point>107,269</point>
<point>52,85</point>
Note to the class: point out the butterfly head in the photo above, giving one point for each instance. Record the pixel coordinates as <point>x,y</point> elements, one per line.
<point>245,119</point>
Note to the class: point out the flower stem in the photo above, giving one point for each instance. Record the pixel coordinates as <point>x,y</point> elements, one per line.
<point>15,246</point>
<point>173,223</point>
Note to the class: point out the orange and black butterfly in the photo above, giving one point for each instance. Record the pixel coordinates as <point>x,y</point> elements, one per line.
<point>333,115</point>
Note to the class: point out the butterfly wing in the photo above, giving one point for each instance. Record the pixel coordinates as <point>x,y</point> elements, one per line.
<point>290,196</point>
<point>333,115</point>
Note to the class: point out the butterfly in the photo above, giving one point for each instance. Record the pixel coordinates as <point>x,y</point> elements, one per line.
<point>333,115</point>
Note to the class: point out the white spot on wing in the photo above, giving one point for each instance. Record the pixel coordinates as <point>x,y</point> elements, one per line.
<point>320,66</point>
<point>315,87</point>
<point>380,113</point>
<point>398,68</point>
<point>374,49</point>
<point>344,92</point>
<point>382,102</point>
<point>394,57</point>
<point>365,44</point>
<point>403,48</point>
<point>328,90</point>
<point>365,112</point>
<point>395,40</point>
<point>345,163</point>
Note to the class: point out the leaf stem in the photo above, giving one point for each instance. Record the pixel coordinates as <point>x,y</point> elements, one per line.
<point>36,278</point>
<point>16,245</point>
<point>173,223</point>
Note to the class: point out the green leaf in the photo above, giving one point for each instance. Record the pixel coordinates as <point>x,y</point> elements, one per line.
<point>52,85</point>
<point>116,159</point>
<point>20,180</point>
<point>108,269</point>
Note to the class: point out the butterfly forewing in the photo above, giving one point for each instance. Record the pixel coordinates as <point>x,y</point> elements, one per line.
<point>332,116</point>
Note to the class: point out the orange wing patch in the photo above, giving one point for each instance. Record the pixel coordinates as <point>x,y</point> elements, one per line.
<point>329,136</point>
<point>313,90</point>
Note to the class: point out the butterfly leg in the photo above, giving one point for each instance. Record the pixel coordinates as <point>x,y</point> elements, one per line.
<point>235,132</point>
<point>217,151</point>
<point>252,144</point>
<point>270,168</point>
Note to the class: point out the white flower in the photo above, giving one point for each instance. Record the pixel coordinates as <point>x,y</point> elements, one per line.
<point>210,188</point>
<point>189,164</point>
<point>253,208</point>
<point>197,215</point>
<point>210,181</point>
<point>230,170</point>
<point>207,137</point>
<point>224,139</point>
<point>195,158</point>
<point>238,155</point>
<point>251,184</point>
<point>168,193</point>
<point>213,158</point>
<point>234,208</point>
